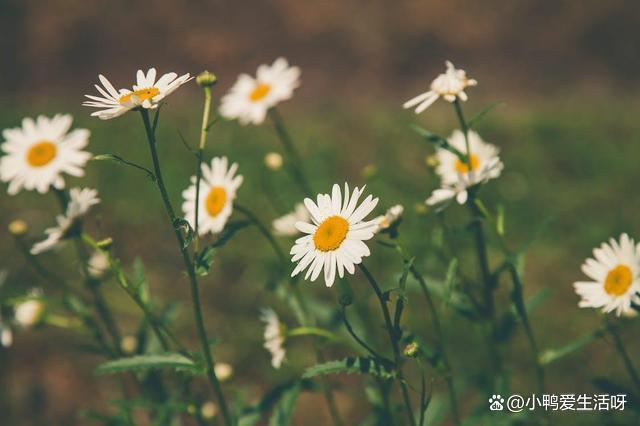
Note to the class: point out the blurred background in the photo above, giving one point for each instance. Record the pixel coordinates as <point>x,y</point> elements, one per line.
<point>568,132</point>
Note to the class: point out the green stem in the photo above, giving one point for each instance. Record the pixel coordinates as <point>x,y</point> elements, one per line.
<point>294,159</point>
<point>465,130</point>
<point>195,294</point>
<point>617,342</point>
<point>204,130</point>
<point>393,337</point>
<point>312,331</point>
<point>265,232</point>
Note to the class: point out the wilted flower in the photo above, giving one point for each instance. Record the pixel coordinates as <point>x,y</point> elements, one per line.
<point>250,98</point>
<point>38,153</point>
<point>336,236</point>
<point>285,226</point>
<point>146,93</point>
<point>80,201</point>
<point>217,192</point>
<point>450,86</point>
<point>274,337</point>
<point>615,270</point>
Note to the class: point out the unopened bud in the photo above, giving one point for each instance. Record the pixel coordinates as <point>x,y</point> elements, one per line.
<point>431,161</point>
<point>208,410</point>
<point>30,312</point>
<point>273,161</point>
<point>421,208</point>
<point>129,344</point>
<point>18,227</point>
<point>369,171</point>
<point>411,350</point>
<point>206,79</point>
<point>223,371</point>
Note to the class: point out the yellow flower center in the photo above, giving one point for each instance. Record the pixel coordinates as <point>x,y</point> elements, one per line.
<point>41,153</point>
<point>139,95</point>
<point>259,92</point>
<point>618,280</point>
<point>215,200</point>
<point>462,167</point>
<point>331,233</point>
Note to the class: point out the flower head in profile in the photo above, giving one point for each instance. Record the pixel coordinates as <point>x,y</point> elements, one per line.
<point>274,336</point>
<point>250,98</point>
<point>41,151</point>
<point>390,218</point>
<point>615,271</point>
<point>80,201</point>
<point>450,86</point>
<point>146,93</point>
<point>285,226</point>
<point>217,192</point>
<point>335,237</point>
<point>457,175</point>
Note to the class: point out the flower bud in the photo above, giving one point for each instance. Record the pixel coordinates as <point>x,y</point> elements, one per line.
<point>18,227</point>
<point>29,312</point>
<point>411,350</point>
<point>431,161</point>
<point>273,161</point>
<point>223,371</point>
<point>208,410</point>
<point>369,171</point>
<point>206,79</point>
<point>129,344</point>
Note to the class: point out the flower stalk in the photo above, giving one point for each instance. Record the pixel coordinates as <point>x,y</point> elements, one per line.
<point>195,292</point>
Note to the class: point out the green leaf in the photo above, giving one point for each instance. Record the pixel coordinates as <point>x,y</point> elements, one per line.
<point>184,226</point>
<point>351,365</point>
<point>284,409</point>
<point>174,361</point>
<point>121,161</point>
<point>139,280</point>
<point>438,141</point>
<point>205,257</point>
<point>450,280</point>
<point>478,117</point>
<point>551,355</point>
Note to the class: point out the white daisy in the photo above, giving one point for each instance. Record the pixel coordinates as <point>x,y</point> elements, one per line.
<point>39,152</point>
<point>250,98</point>
<point>274,336</point>
<point>335,238</point>
<point>615,271</point>
<point>217,192</point>
<point>114,102</point>
<point>389,218</point>
<point>80,201</point>
<point>285,226</point>
<point>457,175</point>
<point>147,93</point>
<point>450,86</point>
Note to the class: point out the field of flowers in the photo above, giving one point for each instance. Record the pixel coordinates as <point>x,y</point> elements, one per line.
<point>232,258</point>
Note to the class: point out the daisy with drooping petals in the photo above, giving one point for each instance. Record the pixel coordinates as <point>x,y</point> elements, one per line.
<point>285,226</point>
<point>250,98</point>
<point>385,221</point>
<point>457,175</point>
<point>146,93</point>
<point>80,201</point>
<point>217,192</point>
<point>39,152</point>
<point>449,86</point>
<point>615,271</point>
<point>274,336</point>
<point>336,236</point>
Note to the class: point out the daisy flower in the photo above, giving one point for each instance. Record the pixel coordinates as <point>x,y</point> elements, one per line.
<point>274,336</point>
<point>336,236</point>
<point>285,226</point>
<point>80,201</point>
<point>449,86</point>
<point>146,93</point>
<point>385,221</point>
<point>38,153</point>
<point>217,192</point>
<point>615,270</point>
<point>250,98</point>
<point>457,175</point>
